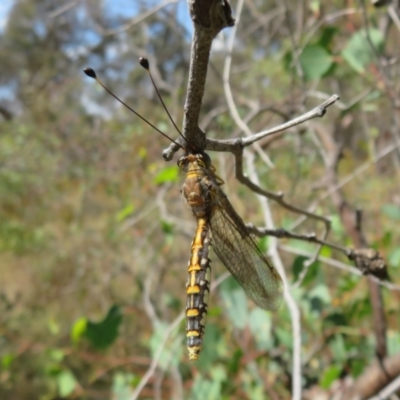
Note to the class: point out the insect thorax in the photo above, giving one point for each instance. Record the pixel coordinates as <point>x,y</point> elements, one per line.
<point>197,186</point>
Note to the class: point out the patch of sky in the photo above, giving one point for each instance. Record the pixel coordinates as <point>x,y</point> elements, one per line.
<point>114,50</point>
<point>82,47</point>
<point>183,17</point>
<point>85,37</point>
<point>7,92</point>
<point>125,9</point>
<point>81,15</point>
<point>93,107</point>
<point>220,43</point>
<point>119,10</point>
<point>5,8</point>
<point>39,28</point>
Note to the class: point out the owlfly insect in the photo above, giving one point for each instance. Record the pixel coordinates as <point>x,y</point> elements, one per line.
<point>218,224</point>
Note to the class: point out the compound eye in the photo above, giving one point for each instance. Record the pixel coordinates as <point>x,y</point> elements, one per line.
<point>182,162</point>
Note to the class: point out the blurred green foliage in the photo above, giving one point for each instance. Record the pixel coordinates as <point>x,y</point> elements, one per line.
<point>93,227</point>
<point>103,334</point>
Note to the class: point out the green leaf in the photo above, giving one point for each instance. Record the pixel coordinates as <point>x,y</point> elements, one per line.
<point>53,370</point>
<point>125,212</point>
<point>358,52</point>
<point>346,284</point>
<point>167,227</point>
<point>102,334</point>
<point>78,330</point>
<point>326,252</point>
<point>338,348</point>
<point>387,239</point>
<point>315,62</point>
<point>391,210</point>
<point>168,174</point>
<point>57,354</point>
<point>298,266</point>
<point>335,319</point>
<point>318,297</point>
<point>360,307</point>
<point>314,270</point>
<point>66,383</point>
<point>263,244</point>
<point>327,36</point>
<point>330,375</point>
<point>357,367</point>
<point>321,292</point>
<point>6,360</point>
<point>234,361</point>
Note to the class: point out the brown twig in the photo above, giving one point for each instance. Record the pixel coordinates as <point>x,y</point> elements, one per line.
<point>340,265</point>
<point>209,18</point>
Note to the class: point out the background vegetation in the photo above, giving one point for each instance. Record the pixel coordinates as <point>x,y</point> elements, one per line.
<point>94,238</point>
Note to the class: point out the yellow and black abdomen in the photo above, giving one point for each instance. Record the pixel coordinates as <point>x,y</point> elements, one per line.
<point>198,289</point>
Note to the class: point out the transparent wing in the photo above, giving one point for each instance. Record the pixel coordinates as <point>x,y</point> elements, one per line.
<point>238,251</point>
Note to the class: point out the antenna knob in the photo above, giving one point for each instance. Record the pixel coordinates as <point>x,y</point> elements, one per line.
<point>90,72</point>
<point>144,62</point>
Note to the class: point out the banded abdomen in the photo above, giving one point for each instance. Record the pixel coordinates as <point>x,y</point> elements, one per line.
<point>197,289</point>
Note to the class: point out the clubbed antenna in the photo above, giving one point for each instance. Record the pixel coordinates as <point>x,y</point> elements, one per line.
<point>144,62</point>
<point>92,74</point>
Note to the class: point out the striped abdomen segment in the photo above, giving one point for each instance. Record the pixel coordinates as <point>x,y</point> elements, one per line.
<point>197,289</point>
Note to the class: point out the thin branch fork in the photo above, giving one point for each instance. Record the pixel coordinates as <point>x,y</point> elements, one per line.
<point>317,112</point>
<point>367,260</point>
<point>340,265</point>
<point>237,144</point>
